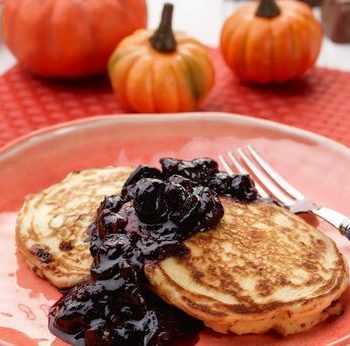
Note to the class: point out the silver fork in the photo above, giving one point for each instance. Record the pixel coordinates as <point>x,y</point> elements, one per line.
<point>269,183</point>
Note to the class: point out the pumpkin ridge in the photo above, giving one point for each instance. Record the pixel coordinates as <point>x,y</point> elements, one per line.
<point>165,92</point>
<point>227,34</point>
<point>313,46</point>
<point>153,96</point>
<point>124,53</point>
<point>318,31</point>
<point>134,80</point>
<point>92,31</point>
<point>210,77</point>
<point>65,50</point>
<point>122,85</point>
<point>131,42</point>
<point>297,7</point>
<point>301,14</point>
<point>297,26</point>
<point>48,35</point>
<point>196,77</point>
<point>180,70</point>
<point>231,61</point>
<point>9,17</point>
<point>15,16</point>
<point>211,80</point>
<point>176,89</point>
<point>258,40</point>
<point>281,36</point>
<point>244,50</point>
<point>192,81</point>
<point>272,57</point>
<point>293,50</point>
<point>178,86</point>
<point>298,16</point>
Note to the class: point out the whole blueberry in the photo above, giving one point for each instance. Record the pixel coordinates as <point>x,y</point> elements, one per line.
<point>209,210</point>
<point>109,222</point>
<point>139,173</point>
<point>207,166</point>
<point>111,252</point>
<point>187,217</point>
<point>149,202</point>
<point>243,188</point>
<point>198,170</point>
<point>113,203</point>
<point>187,184</point>
<point>175,196</point>
<point>221,183</point>
<point>169,166</point>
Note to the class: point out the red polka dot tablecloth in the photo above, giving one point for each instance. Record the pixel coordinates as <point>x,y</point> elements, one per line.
<point>320,102</point>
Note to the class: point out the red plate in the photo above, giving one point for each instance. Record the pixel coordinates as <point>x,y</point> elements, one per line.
<point>316,165</point>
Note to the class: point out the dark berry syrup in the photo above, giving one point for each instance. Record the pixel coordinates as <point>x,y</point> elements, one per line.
<point>156,212</point>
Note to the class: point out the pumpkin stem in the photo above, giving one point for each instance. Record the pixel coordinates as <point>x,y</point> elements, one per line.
<point>163,39</point>
<point>268,9</point>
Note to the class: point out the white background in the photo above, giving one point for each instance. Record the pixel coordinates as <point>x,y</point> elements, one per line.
<point>203,19</point>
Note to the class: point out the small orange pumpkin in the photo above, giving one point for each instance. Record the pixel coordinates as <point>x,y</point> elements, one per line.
<point>271,41</point>
<point>69,38</point>
<point>161,71</point>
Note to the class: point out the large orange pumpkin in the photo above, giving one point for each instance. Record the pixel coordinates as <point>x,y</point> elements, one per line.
<point>271,41</point>
<point>69,38</point>
<point>161,71</point>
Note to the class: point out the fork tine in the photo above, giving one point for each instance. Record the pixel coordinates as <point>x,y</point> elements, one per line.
<point>236,163</point>
<point>242,170</point>
<point>269,186</point>
<point>225,165</point>
<point>277,178</point>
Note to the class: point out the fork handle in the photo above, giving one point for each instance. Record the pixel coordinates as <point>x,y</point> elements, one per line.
<point>336,219</point>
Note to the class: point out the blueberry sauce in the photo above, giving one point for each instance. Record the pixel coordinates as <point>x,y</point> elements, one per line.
<point>149,221</point>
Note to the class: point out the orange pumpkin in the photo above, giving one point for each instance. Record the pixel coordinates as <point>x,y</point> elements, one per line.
<point>271,41</point>
<point>161,71</point>
<point>69,38</point>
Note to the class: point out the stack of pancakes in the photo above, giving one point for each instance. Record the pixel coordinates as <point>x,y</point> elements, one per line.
<point>261,268</point>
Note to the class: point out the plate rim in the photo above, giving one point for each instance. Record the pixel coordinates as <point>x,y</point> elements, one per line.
<point>235,118</point>
<point>16,144</point>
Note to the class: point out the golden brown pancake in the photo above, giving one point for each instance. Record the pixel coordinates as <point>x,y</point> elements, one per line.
<point>262,268</point>
<point>52,225</point>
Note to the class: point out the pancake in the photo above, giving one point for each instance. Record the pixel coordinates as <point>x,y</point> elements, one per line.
<point>262,268</point>
<point>52,225</point>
